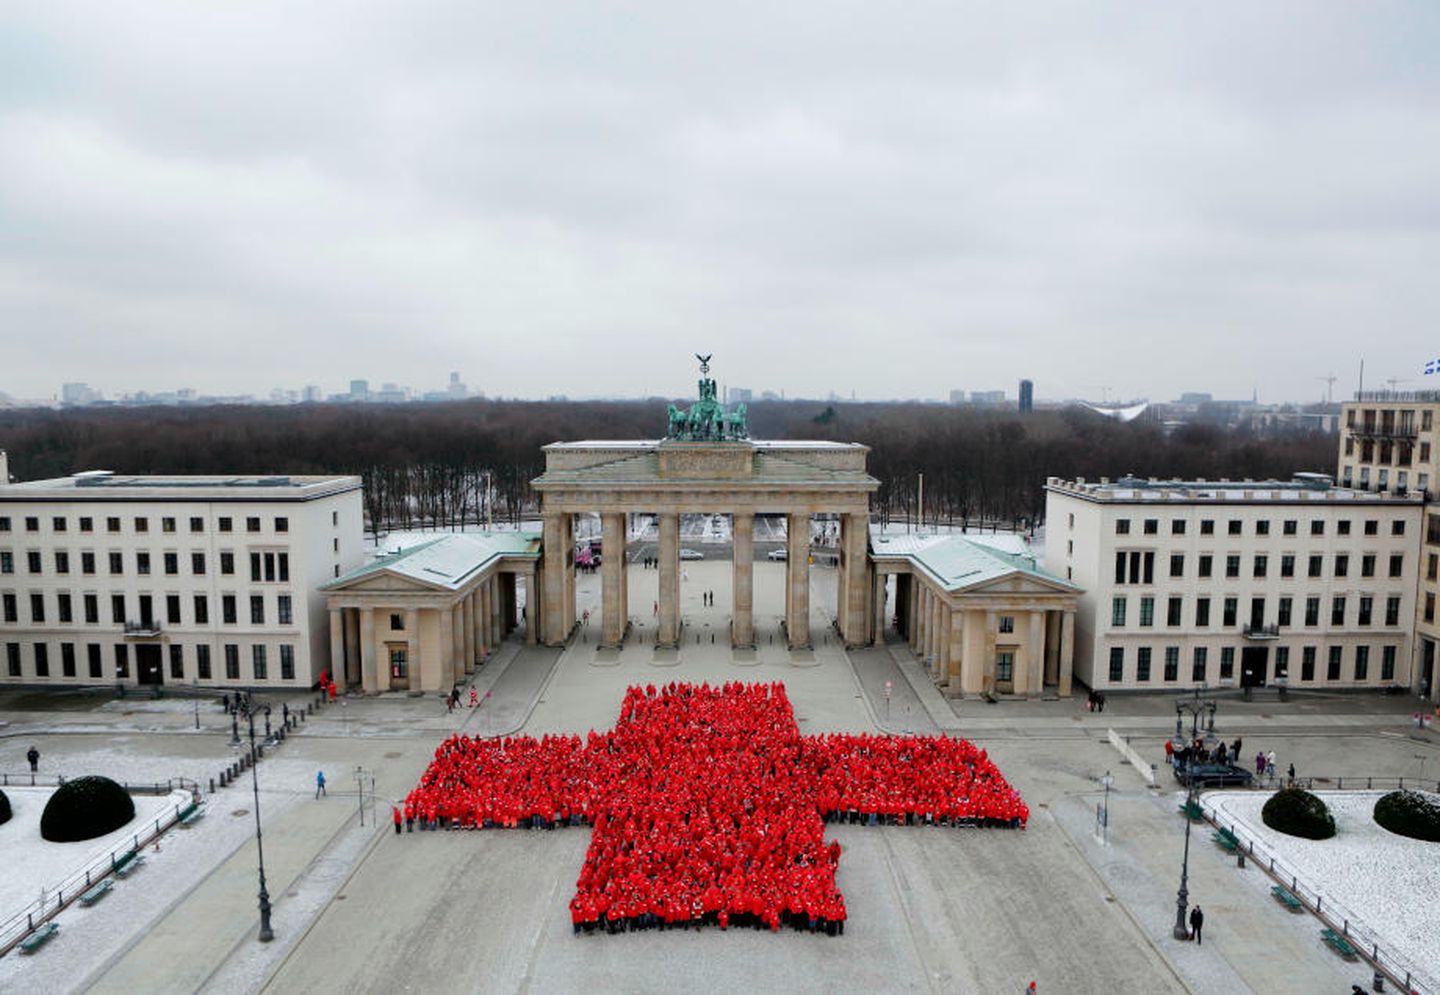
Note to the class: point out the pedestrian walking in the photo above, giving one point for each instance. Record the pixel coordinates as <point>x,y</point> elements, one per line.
<point>1259,763</point>
<point>1270,763</point>
<point>1197,923</point>
<point>474,698</point>
<point>33,755</point>
<point>320,783</point>
<point>1235,749</point>
<point>395,817</point>
<point>1292,773</point>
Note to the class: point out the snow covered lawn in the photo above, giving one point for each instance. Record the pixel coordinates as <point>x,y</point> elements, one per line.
<point>33,863</point>
<point>1384,882</point>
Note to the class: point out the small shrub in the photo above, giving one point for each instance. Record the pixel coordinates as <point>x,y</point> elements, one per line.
<point>85,808</point>
<point>1410,813</point>
<point>5,812</point>
<point>1296,812</point>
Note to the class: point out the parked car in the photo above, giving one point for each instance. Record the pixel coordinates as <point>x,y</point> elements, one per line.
<point>775,554</point>
<point>1213,775</point>
<point>691,554</point>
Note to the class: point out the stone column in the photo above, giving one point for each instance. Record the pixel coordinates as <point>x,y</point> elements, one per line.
<point>955,663</point>
<point>1052,647</point>
<point>556,562</point>
<point>912,611</point>
<point>742,581</point>
<point>877,602</point>
<point>939,628</point>
<point>369,667</point>
<point>797,579</point>
<point>987,662</point>
<point>854,544</point>
<point>412,647</point>
<point>482,617</point>
<point>1035,654</point>
<point>972,664</point>
<point>337,646</point>
<point>447,648</point>
<point>922,622</point>
<point>668,634</point>
<point>467,630</point>
<point>477,626</point>
<point>612,579</point>
<point>1067,652</point>
<point>354,675</point>
<point>532,603</point>
<point>492,587</point>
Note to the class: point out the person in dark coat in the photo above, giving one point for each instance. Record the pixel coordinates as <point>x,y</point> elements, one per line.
<point>33,755</point>
<point>1197,922</point>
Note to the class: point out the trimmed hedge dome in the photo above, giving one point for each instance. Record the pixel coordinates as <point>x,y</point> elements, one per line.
<point>5,812</point>
<point>1296,812</point>
<point>1408,813</point>
<point>85,808</point>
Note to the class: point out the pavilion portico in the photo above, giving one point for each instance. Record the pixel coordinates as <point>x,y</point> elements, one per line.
<point>423,617</point>
<point>668,478</point>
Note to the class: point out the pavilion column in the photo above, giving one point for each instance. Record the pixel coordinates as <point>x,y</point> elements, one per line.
<point>477,626</point>
<point>1052,647</point>
<point>851,612</point>
<point>482,616</point>
<point>557,564</point>
<point>742,580</point>
<point>988,660</point>
<point>797,571</point>
<point>972,664</point>
<point>467,629</point>
<point>1035,654</point>
<point>1067,652</point>
<point>447,647</point>
<point>955,663</point>
<point>412,647</point>
<point>532,604</point>
<point>369,668</point>
<point>337,645</point>
<point>922,623</point>
<point>492,587</point>
<point>939,628</point>
<point>354,671</point>
<point>612,579</point>
<point>877,602</point>
<point>912,612</point>
<point>669,631</point>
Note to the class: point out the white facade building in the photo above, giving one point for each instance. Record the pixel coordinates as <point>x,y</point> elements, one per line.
<point>183,580</point>
<point>1191,583</point>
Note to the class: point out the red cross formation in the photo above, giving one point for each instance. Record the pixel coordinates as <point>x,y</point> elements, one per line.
<point>707,802</point>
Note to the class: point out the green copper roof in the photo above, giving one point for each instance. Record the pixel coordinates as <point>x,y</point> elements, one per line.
<point>960,561</point>
<point>447,560</point>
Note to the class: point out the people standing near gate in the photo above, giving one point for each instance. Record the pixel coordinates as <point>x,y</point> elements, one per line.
<point>33,755</point>
<point>320,783</point>
<point>1197,923</point>
<point>1259,763</point>
<point>1270,763</point>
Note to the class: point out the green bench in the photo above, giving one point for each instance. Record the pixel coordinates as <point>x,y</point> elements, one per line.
<point>1192,811</point>
<point>1226,841</point>
<point>96,893</point>
<point>131,863</point>
<point>1338,943</point>
<point>38,938</point>
<point>194,815</point>
<point>1285,898</point>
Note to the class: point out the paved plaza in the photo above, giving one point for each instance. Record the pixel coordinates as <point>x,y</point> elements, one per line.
<point>943,910</point>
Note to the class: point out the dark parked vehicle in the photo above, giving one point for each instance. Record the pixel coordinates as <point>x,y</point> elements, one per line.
<point>1212,775</point>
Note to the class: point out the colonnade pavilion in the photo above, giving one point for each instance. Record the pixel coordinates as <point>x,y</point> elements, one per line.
<point>980,612</point>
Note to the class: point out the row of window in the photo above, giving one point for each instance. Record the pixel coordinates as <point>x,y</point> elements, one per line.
<point>141,524</point>
<point>176,657</point>
<point>1230,607</point>
<point>119,615</point>
<point>1235,527</point>
<point>1388,419</point>
<point>1200,664</point>
<point>1134,566</point>
<point>265,567</point>
<point>1382,478</point>
<point>1387,451</point>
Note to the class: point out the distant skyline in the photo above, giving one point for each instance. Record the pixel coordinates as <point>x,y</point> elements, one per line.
<point>1135,200</point>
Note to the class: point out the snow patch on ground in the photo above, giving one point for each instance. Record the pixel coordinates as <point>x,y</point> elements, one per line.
<point>1383,882</point>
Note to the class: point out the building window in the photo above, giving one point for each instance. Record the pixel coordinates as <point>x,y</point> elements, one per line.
<point>62,607</point>
<point>254,568</point>
<point>197,564</point>
<point>172,609</point>
<point>1007,623</point>
<point>1262,564</point>
<point>117,564</point>
<point>1262,527</point>
<point>112,523</point>
<point>1117,664</point>
<point>37,607</point>
<point>227,563</point>
<point>1142,664</point>
<point>1172,663</point>
<point>399,668</point>
<point>282,525</point>
<point>1152,526</point>
<point>257,609</point>
<point>142,525</point>
<point>67,659</point>
<point>10,611</point>
<point>1117,612</point>
<point>1342,565</point>
<point>202,610</point>
<point>12,659</point>
<point>1229,611</point>
<point>1227,663</point>
<point>42,660</point>
<point>62,562</point>
<point>224,524</point>
<point>197,524</point>
<point>167,524</point>
<point>177,659</point>
<point>1289,527</point>
<point>1177,526</point>
<point>397,622</point>
<point>1202,612</point>
<point>172,564</point>
<point>1337,611</point>
<point>228,614</point>
<point>1397,527</point>
<point>1234,527</point>
<point>5,522</point>
<point>1307,663</point>
<point>1177,564</point>
<point>1173,609</point>
<point>32,523</point>
<point>87,524</point>
<point>1367,565</point>
<point>1204,566</point>
<point>1312,611</point>
<point>142,564</point>
<point>1372,526</point>
<point>87,564</point>
<point>1387,663</point>
<point>232,662</point>
<point>90,604</point>
<point>1315,567</point>
<point>1198,664</point>
<point>1287,565</point>
<point>1317,527</point>
<point>1342,527</point>
<point>1147,612</point>
<point>252,524</point>
<point>117,609</point>
<point>1392,610</point>
<point>1362,663</point>
<point>1232,565</point>
<point>287,662</point>
<point>7,562</point>
<point>1122,526</point>
<point>283,610</point>
<point>32,561</point>
<point>122,662</point>
<point>1282,661</point>
<point>1397,565</point>
<point>1367,605</point>
<point>202,662</point>
<point>1207,526</point>
<point>1332,665</point>
<point>257,662</point>
<point>92,660</point>
<point>1283,614</point>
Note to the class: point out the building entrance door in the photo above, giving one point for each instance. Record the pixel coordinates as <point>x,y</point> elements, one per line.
<point>1005,672</point>
<point>1254,662</point>
<point>147,664</point>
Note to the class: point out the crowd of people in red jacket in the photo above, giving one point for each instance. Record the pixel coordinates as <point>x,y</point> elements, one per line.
<point>708,806</point>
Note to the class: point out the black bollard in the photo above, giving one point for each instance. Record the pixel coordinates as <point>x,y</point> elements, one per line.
<point>212,785</point>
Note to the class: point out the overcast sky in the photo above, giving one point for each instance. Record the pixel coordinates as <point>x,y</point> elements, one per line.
<point>890,199</point>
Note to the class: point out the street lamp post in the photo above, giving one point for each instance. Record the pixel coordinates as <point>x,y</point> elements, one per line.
<point>266,933</point>
<point>195,692</point>
<point>1182,897</point>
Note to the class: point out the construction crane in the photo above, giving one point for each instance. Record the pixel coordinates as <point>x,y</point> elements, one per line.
<point>1329,386</point>
<point>1104,390</point>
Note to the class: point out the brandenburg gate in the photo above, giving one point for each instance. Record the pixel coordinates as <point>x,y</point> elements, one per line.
<point>707,463</point>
